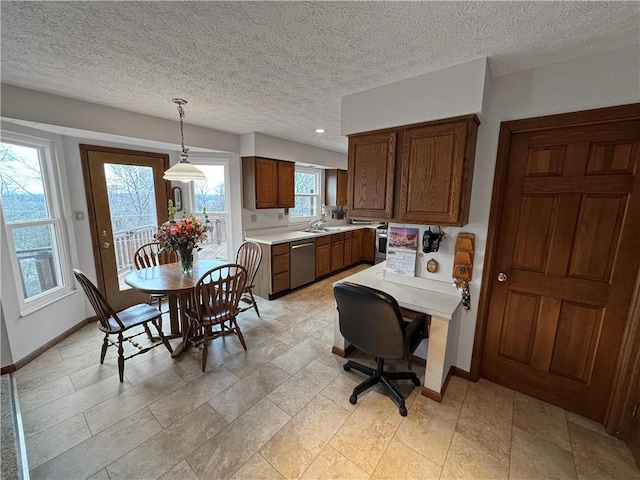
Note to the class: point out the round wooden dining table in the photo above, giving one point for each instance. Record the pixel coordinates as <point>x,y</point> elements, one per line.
<point>168,279</point>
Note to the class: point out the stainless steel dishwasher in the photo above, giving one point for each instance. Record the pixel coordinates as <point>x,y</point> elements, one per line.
<point>303,262</point>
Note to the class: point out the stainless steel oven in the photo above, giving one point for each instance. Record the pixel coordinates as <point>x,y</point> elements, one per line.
<point>381,243</point>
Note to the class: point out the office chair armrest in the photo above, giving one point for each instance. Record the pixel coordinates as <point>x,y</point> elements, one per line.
<point>418,324</point>
<point>413,335</point>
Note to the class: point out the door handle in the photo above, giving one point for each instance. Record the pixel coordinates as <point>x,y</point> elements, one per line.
<point>106,245</point>
<point>502,277</point>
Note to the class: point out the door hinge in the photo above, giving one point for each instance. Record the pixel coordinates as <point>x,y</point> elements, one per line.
<point>635,410</point>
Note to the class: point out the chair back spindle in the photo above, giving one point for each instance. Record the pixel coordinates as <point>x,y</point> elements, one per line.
<point>149,255</point>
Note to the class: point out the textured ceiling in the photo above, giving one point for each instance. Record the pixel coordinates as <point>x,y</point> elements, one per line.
<point>281,68</point>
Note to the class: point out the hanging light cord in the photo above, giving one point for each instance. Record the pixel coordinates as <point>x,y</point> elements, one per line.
<point>185,151</point>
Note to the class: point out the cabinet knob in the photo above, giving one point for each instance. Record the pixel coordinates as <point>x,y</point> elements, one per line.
<point>502,277</point>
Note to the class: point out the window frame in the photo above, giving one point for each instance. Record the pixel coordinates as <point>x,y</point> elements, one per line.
<point>318,172</point>
<point>49,168</point>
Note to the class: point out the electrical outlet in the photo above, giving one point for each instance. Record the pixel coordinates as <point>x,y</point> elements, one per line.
<point>254,217</point>
<point>280,216</point>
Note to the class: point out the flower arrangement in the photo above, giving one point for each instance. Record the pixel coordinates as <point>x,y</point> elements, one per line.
<point>182,235</point>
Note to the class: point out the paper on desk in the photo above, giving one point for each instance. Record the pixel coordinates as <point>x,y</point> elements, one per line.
<point>402,250</point>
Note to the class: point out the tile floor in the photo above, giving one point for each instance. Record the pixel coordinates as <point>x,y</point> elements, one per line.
<point>281,410</point>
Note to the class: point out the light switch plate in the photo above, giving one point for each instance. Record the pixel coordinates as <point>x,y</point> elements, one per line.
<point>280,216</point>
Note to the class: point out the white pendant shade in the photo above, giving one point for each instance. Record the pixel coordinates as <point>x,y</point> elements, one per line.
<point>184,172</point>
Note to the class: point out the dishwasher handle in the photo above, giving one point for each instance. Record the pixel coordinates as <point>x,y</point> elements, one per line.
<point>310,244</point>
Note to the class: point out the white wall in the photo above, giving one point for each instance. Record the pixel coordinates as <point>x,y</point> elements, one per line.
<point>23,104</point>
<point>28,333</point>
<point>599,80</point>
<point>445,93</point>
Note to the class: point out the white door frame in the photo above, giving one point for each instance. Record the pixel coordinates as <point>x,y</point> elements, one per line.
<point>233,194</point>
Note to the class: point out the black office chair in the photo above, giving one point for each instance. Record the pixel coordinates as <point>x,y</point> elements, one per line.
<point>371,321</point>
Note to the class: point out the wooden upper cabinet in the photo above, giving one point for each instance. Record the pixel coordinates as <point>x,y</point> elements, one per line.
<point>286,184</point>
<point>336,187</point>
<point>436,173</point>
<point>430,178</point>
<point>372,167</point>
<point>268,183</point>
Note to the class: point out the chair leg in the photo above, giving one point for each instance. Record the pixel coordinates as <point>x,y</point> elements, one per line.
<point>158,326</point>
<point>253,300</point>
<point>378,375</point>
<point>205,341</point>
<point>105,345</point>
<point>148,332</point>
<point>237,331</point>
<point>120,357</point>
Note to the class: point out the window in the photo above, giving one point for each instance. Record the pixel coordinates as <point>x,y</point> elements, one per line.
<point>307,191</point>
<point>212,194</point>
<point>31,217</point>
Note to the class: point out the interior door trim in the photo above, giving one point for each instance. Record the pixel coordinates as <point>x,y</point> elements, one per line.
<point>88,189</point>
<point>630,349</point>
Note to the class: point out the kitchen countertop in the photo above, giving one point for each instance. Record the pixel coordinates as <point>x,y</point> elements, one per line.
<point>273,238</point>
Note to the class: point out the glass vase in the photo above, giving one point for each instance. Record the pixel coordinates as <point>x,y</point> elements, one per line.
<point>186,261</point>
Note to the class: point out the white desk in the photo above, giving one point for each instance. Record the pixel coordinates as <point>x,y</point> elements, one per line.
<point>444,308</point>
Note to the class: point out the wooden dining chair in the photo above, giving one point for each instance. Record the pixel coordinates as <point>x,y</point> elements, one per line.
<point>214,306</point>
<point>249,256</point>
<point>149,255</point>
<point>118,323</point>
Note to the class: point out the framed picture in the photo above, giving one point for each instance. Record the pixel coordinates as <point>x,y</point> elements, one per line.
<point>176,193</point>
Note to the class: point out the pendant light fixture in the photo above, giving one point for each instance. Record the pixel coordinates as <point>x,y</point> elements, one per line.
<point>183,171</point>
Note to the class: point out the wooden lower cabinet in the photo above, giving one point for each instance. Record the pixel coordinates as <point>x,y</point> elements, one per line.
<point>323,256</point>
<point>348,257</point>
<point>279,267</point>
<point>337,251</point>
<point>368,244</point>
<point>356,246</point>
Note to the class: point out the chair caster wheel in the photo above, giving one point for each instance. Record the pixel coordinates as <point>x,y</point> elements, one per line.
<point>403,411</point>
<point>353,399</point>
<point>346,367</point>
<point>416,381</point>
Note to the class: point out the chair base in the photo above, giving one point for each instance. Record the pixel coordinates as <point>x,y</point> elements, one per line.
<point>378,375</point>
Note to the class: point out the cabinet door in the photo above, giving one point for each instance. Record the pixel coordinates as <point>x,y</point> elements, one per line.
<point>435,165</point>
<point>341,194</point>
<point>266,183</point>
<point>286,184</point>
<point>337,255</point>
<point>371,175</point>
<point>323,260</point>
<point>356,246</point>
<point>348,248</point>
<point>369,244</point>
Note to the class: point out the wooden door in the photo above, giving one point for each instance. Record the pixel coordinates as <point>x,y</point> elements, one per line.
<point>323,258</point>
<point>356,246</point>
<point>127,200</point>
<point>372,166</point>
<point>437,169</point>
<point>286,184</point>
<point>337,252</point>
<point>341,193</point>
<point>635,428</point>
<point>565,257</point>
<point>266,183</point>
<point>368,252</point>
<point>348,238</point>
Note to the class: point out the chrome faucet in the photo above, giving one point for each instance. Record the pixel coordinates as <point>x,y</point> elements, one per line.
<point>317,224</point>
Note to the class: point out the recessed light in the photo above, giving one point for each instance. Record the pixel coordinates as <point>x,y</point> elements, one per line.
<point>320,130</point>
